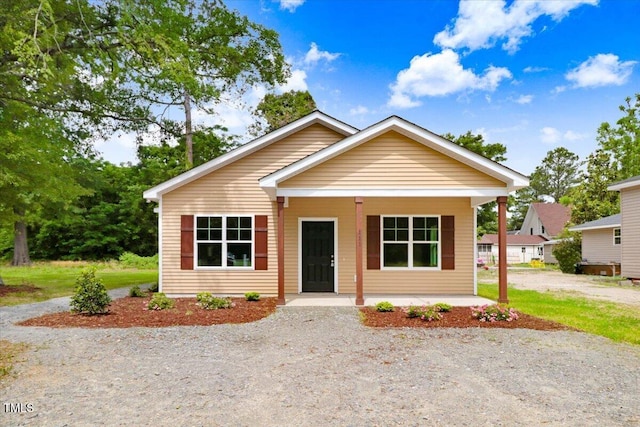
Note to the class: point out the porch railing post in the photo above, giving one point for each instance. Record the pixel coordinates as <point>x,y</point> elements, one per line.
<point>359,264</point>
<point>281,299</point>
<point>502,250</point>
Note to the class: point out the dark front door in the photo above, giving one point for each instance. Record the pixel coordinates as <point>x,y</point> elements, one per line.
<point>317,256</point>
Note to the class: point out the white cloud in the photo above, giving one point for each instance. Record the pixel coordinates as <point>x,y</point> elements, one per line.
<point>291,5</point>
<point>359,110</point>
<point>481,24</point>
<point>297,81</point>
<point>549,135</point>
<point>438,75</point>
<point>535,69</point>
<point>315,55</point>
<point>601,70</point>
<point>524,99</point>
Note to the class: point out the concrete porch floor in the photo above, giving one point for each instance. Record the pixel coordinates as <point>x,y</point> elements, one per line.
<point>318,299</point>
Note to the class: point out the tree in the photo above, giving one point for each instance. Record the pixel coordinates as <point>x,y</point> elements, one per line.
<point>591,199</point>
<point>486,217</point>
<point>556,174</point>
<point>622,142</point>
<point>280,110</point>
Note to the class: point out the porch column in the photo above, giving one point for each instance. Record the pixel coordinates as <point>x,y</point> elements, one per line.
<point>281,300</point>
<point>359,268</point>
<point>502,250</point>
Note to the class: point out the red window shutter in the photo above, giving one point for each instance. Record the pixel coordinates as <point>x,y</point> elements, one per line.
<point>186,242</point>
<point>447,235</point>
<point>260,241</point>
<point>373,242</point>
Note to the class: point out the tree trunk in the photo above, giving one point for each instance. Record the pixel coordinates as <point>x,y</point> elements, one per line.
<point>188,134</point>
<point>20,246</point>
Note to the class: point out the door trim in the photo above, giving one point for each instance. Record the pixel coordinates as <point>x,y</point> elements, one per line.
<point>335,249</point>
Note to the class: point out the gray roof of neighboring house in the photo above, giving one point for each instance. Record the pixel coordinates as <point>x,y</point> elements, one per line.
<point>606,222</point>
<point>629,182</point>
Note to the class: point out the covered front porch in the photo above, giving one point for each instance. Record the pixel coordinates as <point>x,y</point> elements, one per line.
<point>349,300</point>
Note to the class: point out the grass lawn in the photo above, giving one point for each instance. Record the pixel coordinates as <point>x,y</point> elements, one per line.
<point>618,322</point>
<point>57,279</point>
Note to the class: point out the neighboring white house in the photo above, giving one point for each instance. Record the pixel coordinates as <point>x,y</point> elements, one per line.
<point>630,225</point>
<point>601,243</point>
<point>520,248</point>
<point>546,220</point>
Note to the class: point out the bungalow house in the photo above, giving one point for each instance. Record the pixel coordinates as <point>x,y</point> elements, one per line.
<point>546,220</point>
<point>629,225</point>
<point>320,206</point>
<point>601,243</point>
<point>520,248</point>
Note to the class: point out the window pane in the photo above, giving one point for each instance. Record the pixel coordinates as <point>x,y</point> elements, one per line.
<point>432,235</point>
<point>232,222</point>
<point>203,222</point>
<point>210,254</point>
<point>215,235</point>
<point>245,222</point>
<point>396,255</point>
<point>202,234</point>
<point>425,255</point>
<point>389,235</point>
<point>216,222</point>
<point>245,234</point>
<point>419,235</point>
<point>239,255</point>
<point>389,222</point>
<point>432,222</point>
<point>403,235</point>
<point>232,234</point>
<point>403,222</point>
<point>419,222</point>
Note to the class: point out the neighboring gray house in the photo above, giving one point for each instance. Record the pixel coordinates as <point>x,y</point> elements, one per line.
<point>601,245</point>
<point>630,225</point>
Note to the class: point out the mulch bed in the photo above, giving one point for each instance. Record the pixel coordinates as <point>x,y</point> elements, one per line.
<point>6,289</point>
<point>458,317</point>
<point>131,312</point>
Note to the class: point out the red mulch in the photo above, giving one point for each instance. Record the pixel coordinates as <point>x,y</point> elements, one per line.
<point>458,317</point>
<point>130,312</point>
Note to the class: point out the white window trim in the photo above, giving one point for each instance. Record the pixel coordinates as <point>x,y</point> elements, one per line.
<point>411,243</point>
<point>619,236</point>
<point>224,242</point>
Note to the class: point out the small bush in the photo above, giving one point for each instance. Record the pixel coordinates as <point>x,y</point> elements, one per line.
<point>210,302</point>
<point>427,313</point>
<point>153,287</point>
<point>568,252</point>
<point>252,296</point>
<point>132,260</point>
<point>136,292</point>
<point>442,307</point>
<point>160,301</point>
<point>384,306</point>
<point>494,313</point>
<point>90,296</point>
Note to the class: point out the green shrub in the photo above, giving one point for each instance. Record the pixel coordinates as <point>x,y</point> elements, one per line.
<point>132,260</point>
<point>209,302</point>
<point>252,296</point>
<point>442,307</point>
<point>568,252</point>
<point>90,296</point>
<point>384,306</point>
<point>153,287</point>
<point>427,313</point>
<point>160,301</point>
<point>136,292</point>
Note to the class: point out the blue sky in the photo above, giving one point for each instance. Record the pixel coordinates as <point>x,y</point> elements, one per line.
<point>532,75</point>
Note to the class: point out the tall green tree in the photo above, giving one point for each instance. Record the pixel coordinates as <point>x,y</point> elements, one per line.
<point>486,216</point>
<point>622,141</point>
<point>558,172</point>
<point>280,110</point>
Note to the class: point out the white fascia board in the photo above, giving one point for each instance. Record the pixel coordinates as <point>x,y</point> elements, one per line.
<point>480,193</point>
<point>153,194</point>
<point>624,184</point>
<point>514,180</point>
<point>597,227</point>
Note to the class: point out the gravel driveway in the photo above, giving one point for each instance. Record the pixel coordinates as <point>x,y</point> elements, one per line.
<point>317,366</point>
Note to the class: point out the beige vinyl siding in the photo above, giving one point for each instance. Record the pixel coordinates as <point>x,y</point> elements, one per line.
<point>391,161</point>
<point>233,189</point>
<point>630,208</point>
<point>458,281</point>
<point>598,247</point>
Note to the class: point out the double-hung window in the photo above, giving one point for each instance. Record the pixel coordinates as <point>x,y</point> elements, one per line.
<point>224,241</point>
<point>411,242</point>
<point>617,236</point>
